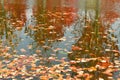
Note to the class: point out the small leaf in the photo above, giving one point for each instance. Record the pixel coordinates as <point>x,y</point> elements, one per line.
<point>23,50</point>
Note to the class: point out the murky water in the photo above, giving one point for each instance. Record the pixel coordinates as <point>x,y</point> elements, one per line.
<point>86,31</point>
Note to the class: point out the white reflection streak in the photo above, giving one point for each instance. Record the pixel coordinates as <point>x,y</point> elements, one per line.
<point>29,12</point>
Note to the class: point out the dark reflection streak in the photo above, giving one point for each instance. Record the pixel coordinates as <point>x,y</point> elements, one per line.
<point>3,20</point>
<point>85,11</point>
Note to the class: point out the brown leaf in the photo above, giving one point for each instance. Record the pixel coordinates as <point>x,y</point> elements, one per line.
<point>74,48</point>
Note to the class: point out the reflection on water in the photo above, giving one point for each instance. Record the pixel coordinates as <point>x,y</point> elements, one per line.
<point>70,29</point>
<point>29,24</point>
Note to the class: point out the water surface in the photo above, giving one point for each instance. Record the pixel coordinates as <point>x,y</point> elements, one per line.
<point>83,33</point>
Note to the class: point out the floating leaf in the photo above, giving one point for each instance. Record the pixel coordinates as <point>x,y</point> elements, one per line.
<point>51,27</point>
<point>72,62</point>
<point>75,48</point>
<point>108,71</point>
<point>38,51</point>
<point>29,46</point>
<point>23,50</point>
<point>62,39</point>
<point>107,50</point>
<point>51,58</point>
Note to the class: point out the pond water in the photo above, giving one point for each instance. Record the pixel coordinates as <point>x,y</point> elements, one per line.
<point>69,38</point>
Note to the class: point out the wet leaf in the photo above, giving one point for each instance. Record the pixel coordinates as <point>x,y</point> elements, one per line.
<point>23,50</point>
<point>43,77</point>
<point>38,51</point>
<point>101,79</point>
<point>108,71</point>
<point>51,27</point>
<point>107,50</point>
<point>29,46</point>
<point>62,39</point>
<point>51,58</point>
<point>75,48</point>
<point>57,49</point>
<point>72,62</point>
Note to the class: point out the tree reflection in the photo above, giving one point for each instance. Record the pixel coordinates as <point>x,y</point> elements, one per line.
<point>2,19</point>
<point>95,41</point>
<point>110,10</point>
<point>11,17</point>
<point>49,24</point>
<point>16,12</point>
<point>51,21</point>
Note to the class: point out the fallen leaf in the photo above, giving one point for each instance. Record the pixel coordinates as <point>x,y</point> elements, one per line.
<point>23,50</point>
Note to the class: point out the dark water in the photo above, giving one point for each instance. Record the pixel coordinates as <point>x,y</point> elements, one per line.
<point>67,29</point>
